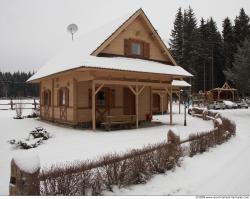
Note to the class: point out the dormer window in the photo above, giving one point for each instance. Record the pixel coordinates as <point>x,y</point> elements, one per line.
<point>136,48</point>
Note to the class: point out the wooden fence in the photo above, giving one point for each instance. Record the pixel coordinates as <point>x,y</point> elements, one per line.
<point>11,105</point>
<point>122,170</point>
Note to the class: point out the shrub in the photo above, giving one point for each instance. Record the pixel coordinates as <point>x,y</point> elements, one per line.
<point>92,177</point>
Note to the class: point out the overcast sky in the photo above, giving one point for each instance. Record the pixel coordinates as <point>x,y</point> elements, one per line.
<point>33,31</point>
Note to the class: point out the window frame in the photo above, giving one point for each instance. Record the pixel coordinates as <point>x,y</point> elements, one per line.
<point>47,97</point>
<point>140,48</point>
<point>64,91</point>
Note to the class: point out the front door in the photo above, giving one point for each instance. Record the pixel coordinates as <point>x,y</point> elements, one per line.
<point>156,103</point>
<point>128,102</point>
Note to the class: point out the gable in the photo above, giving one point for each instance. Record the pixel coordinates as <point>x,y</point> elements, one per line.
<point>226,86</point>
<point>137,28</point>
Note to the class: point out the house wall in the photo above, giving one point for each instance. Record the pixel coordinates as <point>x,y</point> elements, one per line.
<point>136,30</point>
<point>79,109</point>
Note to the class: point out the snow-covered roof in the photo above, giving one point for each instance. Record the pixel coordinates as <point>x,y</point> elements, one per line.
<point>114,63</point>
<point>78,54</point>
<point>180,83</point>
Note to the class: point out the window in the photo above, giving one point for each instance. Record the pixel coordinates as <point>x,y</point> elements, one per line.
<point>105,97</point>
<point>63,97</point>
<point>47,98</point>
<point>101,98</point>
<point>136,48</point>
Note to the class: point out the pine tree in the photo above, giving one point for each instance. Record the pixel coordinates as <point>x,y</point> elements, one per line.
<point>216,55</point>
<point>189,40</point>
<point>201,65</point>
<point>176,41</point>
<point>241,28</point>
<point>240,73</point>
<point>228,43</point>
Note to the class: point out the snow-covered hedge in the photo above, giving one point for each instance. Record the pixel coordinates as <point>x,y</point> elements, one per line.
<point>91,178</point>
<point>223,130</point>
<point>133,167</point>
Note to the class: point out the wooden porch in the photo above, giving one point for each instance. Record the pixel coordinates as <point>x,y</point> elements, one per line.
<point>136,88</point>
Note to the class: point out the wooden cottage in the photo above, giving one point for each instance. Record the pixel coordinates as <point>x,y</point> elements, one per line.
<point>110,74</point>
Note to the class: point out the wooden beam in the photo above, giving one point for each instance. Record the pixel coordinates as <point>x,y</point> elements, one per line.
<point>132,83</point>
<point>99,88</point>
<point>136,105</point>
<point>161,104</point>
<point>75,102</point>
<point>132,89</point>
<point>52,98</point>
<point>179,103</point>
<point>93,107</point>
<point>171,104</point>
<point>141,90</point>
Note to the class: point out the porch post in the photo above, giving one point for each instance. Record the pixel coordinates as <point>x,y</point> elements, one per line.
<point>179,102</point>
<point>161,95</point>
<point>93,107</point>
<point>52,99</point>
<point>136,105</point>
<point>171,113</point>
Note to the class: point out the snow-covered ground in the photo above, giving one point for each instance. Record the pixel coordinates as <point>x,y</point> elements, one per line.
<point>224,170</point>
<point>70,144</point>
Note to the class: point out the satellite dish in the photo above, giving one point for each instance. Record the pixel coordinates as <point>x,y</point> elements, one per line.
<point>72,29</point>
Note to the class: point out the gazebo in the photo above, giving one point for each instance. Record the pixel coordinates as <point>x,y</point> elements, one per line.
<point>225,92</point>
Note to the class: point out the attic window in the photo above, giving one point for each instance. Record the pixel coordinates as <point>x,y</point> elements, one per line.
<point>136,48</point>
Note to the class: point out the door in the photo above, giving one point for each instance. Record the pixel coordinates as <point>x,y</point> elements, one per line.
<point>156,103</point>
<point>128,102</point>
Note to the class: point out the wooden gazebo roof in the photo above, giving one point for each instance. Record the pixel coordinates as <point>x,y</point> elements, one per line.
<point>225,87</point>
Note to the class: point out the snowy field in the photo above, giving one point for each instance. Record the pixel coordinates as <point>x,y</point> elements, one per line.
<point>223,170</point>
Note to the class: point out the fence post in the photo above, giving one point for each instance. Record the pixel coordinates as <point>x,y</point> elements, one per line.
<point>11,104</point>
<point>172,138</point>
<point>24,176</point>
<point>35,104</point>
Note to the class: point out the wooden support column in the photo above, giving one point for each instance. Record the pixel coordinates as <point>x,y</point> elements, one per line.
<point>151,101</point>
<point>93,107</point>
<point>52,99</point>
<point>171,104</point>
<point>136,105</point>
<point>161,97</point>
<point>136,92</point>
<point>75,102</point>
<point>167,105</point>
<point>179,95</point>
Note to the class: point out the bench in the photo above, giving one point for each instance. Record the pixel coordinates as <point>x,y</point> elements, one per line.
<point>121,120</point>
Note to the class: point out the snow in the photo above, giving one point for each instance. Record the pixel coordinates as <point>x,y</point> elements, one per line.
<point>114,63</point>
<point>181,83</point>
<point>27,161</point>
<point>218,120</point>
<point>78,54</point>
<point>228,103</point>
<point>223,170</point>
<point>174,130</point>
<point>68,144</point>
